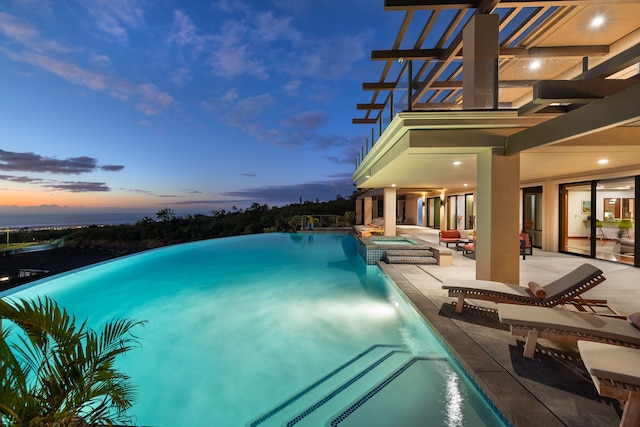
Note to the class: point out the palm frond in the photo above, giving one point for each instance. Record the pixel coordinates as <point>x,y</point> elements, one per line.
<point>53,371</point>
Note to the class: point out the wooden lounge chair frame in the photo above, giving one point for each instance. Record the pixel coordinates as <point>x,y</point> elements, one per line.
<point>628,336</point>
<point>565,290</point>
<point>624,391</point>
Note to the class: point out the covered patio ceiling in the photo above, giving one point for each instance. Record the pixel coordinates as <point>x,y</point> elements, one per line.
<point>425,169</point>
<point>554,61</point>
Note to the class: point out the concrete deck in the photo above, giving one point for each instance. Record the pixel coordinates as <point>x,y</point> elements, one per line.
<point>553,389</point>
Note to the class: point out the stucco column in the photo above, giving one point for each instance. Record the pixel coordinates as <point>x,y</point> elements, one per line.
<point>389,211</point>
<point>480,38</point>
<point>411,210</point>
<point>550,208</point>
<point>367,211</point>
<point>498,239</point>
<point>359,211</point>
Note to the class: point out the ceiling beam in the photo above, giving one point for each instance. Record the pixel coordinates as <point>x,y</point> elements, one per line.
<point>505,52</point>
<point>461,4</point>
<point>611,66</point>
<point>555,51</point>
<point>547,92</point>
<point>615,110</point>
<point>503,84</point>
<point>580,89</point>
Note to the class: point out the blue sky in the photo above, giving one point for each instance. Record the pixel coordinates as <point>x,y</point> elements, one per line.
<point>190,105</point>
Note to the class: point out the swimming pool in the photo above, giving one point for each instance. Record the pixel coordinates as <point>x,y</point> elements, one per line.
<point>272,329</point>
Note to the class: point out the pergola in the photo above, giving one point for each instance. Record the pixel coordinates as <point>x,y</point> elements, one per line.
<point>553,84</point>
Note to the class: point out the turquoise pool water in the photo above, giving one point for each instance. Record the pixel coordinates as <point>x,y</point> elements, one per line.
<point>392,241</point>
<point>272,329</point>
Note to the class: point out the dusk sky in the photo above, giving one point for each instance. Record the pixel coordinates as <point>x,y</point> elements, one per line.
<point>188,105</point>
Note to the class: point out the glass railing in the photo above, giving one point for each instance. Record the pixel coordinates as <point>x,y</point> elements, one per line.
<point>313,222</point>
<point>517,72</point>
<point>396,101</point>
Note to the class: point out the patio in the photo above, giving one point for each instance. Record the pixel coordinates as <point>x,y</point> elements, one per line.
<point>553,389</point>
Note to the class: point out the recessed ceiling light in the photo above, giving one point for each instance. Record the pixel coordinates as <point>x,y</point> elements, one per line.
<point>457,162</point>
<point>393,185</point>
<point>603,161</point>
<point>535,65</point>
<point>598,21</point>
<point>367,176</point>
<point>466,185</point>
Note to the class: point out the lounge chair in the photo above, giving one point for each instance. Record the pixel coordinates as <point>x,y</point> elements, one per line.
<point>376,226</point>
<point>566,326</point>
<point>565,290</point>
<point>615,372</point>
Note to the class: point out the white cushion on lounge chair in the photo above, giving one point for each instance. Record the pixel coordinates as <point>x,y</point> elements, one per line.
<point>590,326</point>
<point>611,362</point>
<point>615,372</point>
<point>560,291</point>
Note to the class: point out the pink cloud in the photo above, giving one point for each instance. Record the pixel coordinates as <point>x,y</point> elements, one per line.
<point>42,53</point>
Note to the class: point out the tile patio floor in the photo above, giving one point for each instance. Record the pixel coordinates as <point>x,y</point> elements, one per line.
<point>553,389</point>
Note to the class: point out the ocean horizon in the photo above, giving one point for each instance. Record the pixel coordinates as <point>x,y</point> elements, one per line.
<point>69,219</point>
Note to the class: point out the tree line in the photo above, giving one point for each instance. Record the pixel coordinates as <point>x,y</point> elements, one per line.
<point>169,228</point>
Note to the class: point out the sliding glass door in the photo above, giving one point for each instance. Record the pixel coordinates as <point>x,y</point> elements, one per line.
<point>532,214</point>
<point>597,219</point>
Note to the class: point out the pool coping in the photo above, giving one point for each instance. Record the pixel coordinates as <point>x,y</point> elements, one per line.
<point>517,405</point>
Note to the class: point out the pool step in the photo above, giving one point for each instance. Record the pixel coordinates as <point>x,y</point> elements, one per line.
<point>409,256</point>
<point>352,389</point>
<point>420,392</point>
<point>374,359</point>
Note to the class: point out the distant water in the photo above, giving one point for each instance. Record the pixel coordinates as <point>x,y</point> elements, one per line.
<point>62,219</point>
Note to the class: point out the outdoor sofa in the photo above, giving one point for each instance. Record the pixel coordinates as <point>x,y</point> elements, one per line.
<point>453,236</point>
<point>376,226</point>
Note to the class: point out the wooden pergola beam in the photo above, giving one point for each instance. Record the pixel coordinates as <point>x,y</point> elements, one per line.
<point>503,84</point>
<point>505,52</point>
<point>364,121</point>
<point>460,4</point>
<point>379,86</point>
<point>370,106</point>
<point>418,54</point>
<point>427,4</point>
